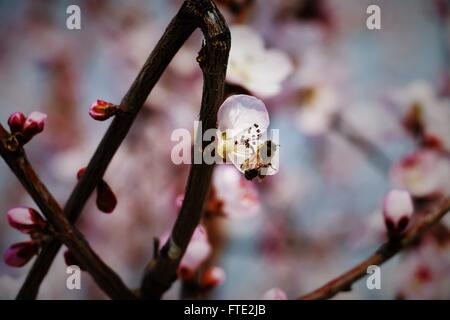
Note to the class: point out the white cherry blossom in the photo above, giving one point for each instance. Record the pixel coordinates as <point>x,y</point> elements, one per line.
<point>317,110</point>
<point>434,110</point>
<point>252,66</point>
<point>423,173</point>
<point>243,122</point>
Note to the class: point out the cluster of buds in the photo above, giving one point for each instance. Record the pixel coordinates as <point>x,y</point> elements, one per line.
<point>106,199</point>
<point>397,211</point>
<point>25,128</point>
<point>101,110</point>
<point>28,221</point>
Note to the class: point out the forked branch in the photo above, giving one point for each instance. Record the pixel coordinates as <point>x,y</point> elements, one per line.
<point>213,59</point>
<point>193,14</point>
<point>383,254</point>
<point>15,157</point>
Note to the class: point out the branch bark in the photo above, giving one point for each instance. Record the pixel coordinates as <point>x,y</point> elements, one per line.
<point>213,59</point>
<point>15,157</point>
<point>383,254</point>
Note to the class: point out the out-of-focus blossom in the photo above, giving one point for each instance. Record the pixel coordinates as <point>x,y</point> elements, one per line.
<point>25,128</point>
<point>313,62</point>
<point>196,253</point>
<point>317,108</point>
<point>424,173</point>
<point>275,294</point>
<point>102,110</point>
<point>238,196</point>
<point>243,121</point>
<point>16,122</point>
<point>252,66</point>
<point>213,277</point>
<point>184,62</point>
<point>397,211</point>
<point>20,253</point>
<point>424,112</point>
<point>25,219</point>
<point>423,272</point>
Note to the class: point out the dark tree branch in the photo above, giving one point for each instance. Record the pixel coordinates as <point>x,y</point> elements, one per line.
<point>15,157</point>
<point>173,38</point>
<point>213,58</point>
<point>384,253</point>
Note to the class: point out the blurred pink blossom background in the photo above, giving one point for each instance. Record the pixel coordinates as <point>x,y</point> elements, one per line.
<point>318,70</point>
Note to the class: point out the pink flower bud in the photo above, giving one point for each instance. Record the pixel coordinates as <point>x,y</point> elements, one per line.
<point>275,294</point>
<point>197,252</point>
<point>70,260</point>
<point>179,201</point>
<point>102,110</point>
<point>106,199</point>
<point>81,172</point>
<point>397,210</point>
<point>25,219</point>
<point>16,122</point>
<point>213,277</point>
<point>19,254</point>
<point>423,274</point>
<point>34,124</point>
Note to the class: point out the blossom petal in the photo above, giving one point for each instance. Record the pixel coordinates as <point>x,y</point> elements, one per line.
<point>24,219</point>
<point>245,41</point>
<point>239,112</point>
<point>20,253</point>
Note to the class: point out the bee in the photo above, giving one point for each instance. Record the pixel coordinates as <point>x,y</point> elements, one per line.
<point>257,165</point>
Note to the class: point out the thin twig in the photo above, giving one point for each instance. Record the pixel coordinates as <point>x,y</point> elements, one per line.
<point>15,157</point>
<point>384,253</point>
<point>213,59</point>
<point>173,38</point>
